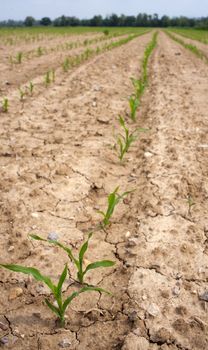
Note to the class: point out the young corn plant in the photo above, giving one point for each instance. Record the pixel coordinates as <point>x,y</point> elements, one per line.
<point>139,87</point>
<point>106,32</point>
<point>47,78</point>
<point>53,75</point>
<point>113,199</point>
<point>125,141</point>
<point>98,50</point>
<point>133,104</point>
<point>21,94</point>
<point>5,105</point>
<point>39,51</point>
<point>59,309</point>
<point>66,65</point>
<point>148,51</point>
<point>78,262</point>
<point>11,60</point>
<point>191,203</point>
<point>19,57</point>
<point>31,87</point>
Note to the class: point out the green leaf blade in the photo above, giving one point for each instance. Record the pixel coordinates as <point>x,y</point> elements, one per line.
<point>53,308</point>
<point>97,264</point>
<point>30,271</point>
<point>61,281</point>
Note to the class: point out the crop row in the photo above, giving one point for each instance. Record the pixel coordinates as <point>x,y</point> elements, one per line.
<point>21,56</point>
<point>14,36</point>
<point>199,35</point>
<point>190,47</point>
<point>59,305</point>
<point>69,63</point>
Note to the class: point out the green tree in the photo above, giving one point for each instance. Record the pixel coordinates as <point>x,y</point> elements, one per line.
<point>45,21</point>
<point>29,21</point>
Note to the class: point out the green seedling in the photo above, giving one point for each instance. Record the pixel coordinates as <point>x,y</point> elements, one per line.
<point>113,199</point>
<point>22,94</point>
<point>125,141</point>
<point>39,51</point>
<point>133,104</point>
<point>191,203</point>
<point>87,53</point>
<point>97,50</point>
<point>106,32</point>
<point>148,51</point>
<point>189,46</point>
<point>79,263</point>
<point>19,57</point>
<point>139,87</point>
<point>31,87</point>
<point>61,305</point>
<point>53,75</point>
<point>47,78</point>
<point>66,65</point>
<point>11,60</point>
<point>5,105</point>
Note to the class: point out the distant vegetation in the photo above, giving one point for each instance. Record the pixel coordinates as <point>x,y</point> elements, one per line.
<point>141,20</point>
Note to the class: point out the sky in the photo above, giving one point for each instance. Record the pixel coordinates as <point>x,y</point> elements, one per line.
<point>19,9</point>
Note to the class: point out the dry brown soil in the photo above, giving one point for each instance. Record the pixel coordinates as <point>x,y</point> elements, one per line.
<point>201,46</point>
<point>58,164</point>
<point>13,76</point>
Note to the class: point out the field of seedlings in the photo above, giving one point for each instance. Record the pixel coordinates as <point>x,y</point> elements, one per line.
<point>103,189</point>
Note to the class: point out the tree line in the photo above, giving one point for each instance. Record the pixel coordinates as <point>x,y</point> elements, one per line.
<point>141,20</point>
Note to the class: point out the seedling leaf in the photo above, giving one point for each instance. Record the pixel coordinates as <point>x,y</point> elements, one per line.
<point>31,271</point>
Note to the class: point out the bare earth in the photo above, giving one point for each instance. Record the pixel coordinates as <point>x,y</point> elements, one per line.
<point>201,46</point>
<point>58,165</point>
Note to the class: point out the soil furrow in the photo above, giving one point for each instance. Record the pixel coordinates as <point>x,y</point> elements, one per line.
<point>58,177</point>
<point>171,262</point>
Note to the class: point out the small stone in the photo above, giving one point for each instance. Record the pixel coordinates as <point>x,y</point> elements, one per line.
<point>94,104</point>
<point>3,326</point>
<point>132,242</point>
<point>15,293</point>
<point>42,290</point>
<point>4,340</point>
<point>103,120</point>
<point>162,336</point>
<point>65,343</point>
<point>206,228</point>
<point>128,234</point>
<point>62,170</point>
<point>153,310</point>
<point>204,296</point>
<point>18,234</point>
<point>148,154</point>
<point>98,184</point>
<point>53,236</point>
<point>16,332</point>
<point>58,139</point>
<point>11,248</point>
<point>132,316</point>
<point>97,88</point>
<point>176,290</point>
<point>34,215</point>
<point>133,342</point>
